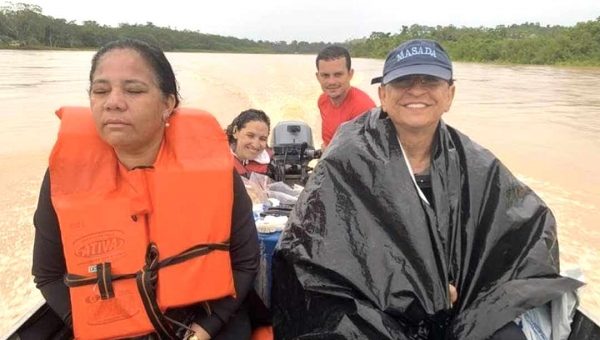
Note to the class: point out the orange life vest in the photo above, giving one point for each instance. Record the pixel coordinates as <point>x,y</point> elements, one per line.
<point>141,241</point>
<point>252,166</point>
<point>263,333</point>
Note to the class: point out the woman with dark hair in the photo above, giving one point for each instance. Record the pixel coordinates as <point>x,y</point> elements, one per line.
<point>143,228</point>
<point>248,134</point>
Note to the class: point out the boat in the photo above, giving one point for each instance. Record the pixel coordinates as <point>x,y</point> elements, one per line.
<point>41,323</point>
<point>293,151</point>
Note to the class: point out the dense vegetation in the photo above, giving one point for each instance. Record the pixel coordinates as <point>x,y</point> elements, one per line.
<point>527,43</point>
<point>25,26</point>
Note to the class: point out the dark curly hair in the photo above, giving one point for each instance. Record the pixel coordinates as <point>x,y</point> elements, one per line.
<point>244,118</point>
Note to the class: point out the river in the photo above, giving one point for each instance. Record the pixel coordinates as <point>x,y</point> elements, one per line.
<point>542,122</point>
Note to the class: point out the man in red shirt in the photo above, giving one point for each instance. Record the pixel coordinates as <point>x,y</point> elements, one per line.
<point>339,102</point>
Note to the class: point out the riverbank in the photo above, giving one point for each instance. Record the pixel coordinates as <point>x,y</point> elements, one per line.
<point>571,64</point>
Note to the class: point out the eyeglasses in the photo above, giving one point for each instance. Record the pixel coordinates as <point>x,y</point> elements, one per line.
<point>429,82</point>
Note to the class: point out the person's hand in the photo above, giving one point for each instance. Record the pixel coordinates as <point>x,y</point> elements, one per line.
<point>453,294</point>
<point>323,147</point>
<point>201,334</point>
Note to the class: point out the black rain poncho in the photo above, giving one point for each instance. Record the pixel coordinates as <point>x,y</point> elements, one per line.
<point>364,257</point>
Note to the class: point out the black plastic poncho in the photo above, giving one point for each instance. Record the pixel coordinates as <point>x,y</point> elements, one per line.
<point>363,257</point>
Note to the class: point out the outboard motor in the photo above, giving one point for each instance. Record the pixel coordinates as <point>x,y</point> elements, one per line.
<point>293,148</point>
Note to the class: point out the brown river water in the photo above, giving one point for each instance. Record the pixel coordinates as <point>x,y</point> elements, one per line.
<point>542,122</point>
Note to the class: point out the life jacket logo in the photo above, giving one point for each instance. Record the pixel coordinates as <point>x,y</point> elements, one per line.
<point>92,298</point>
<point>106,312</point>
<point>99,244</point>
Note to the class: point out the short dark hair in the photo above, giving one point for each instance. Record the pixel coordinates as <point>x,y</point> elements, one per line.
<point>334,52</point>
<point>154,56</point>
<point>244,118</point>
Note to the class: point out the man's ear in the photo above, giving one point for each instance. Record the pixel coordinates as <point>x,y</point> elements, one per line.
<point>450,99</point>
<point>382,94</point>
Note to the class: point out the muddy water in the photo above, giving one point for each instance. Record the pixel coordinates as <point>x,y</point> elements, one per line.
<point>542,122</point>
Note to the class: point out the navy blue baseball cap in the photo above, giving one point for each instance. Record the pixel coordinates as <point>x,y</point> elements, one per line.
<point>417,56</point>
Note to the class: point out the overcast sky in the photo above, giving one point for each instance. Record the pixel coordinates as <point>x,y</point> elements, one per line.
<point>319,20</point>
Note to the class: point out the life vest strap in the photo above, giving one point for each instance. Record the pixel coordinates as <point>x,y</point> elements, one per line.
<point>195,251</point>
<point>105,281</point>
<point>103,278</point>
<point>146,280</point>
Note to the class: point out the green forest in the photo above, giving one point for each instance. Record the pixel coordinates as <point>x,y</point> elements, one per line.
<point>527,43</point>
<point>24,26</point>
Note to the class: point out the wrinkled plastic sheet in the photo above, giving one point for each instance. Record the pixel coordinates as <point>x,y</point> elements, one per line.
<point>261,188</point>
<point>363,257</point>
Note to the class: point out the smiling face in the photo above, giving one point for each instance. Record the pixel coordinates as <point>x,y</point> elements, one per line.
<point>251,139</point>
<point>416,103</point>
<point>128,107</point>
<point>334,77</point>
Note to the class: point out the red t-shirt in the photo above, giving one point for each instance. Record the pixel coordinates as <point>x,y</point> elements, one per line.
<point>355,103</point>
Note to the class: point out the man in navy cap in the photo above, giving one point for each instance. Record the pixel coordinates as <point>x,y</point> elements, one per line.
<point>416,90</point>
<point>407,229</point>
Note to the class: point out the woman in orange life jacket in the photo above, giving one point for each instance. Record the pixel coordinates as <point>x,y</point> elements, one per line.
<point>127,186</point>
<point>248,134</point>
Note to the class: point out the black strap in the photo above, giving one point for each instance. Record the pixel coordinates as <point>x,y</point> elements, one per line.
<point>105,281</point>
<point>146,280</point>
<point>195,251</point>
<point>72,280</point>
